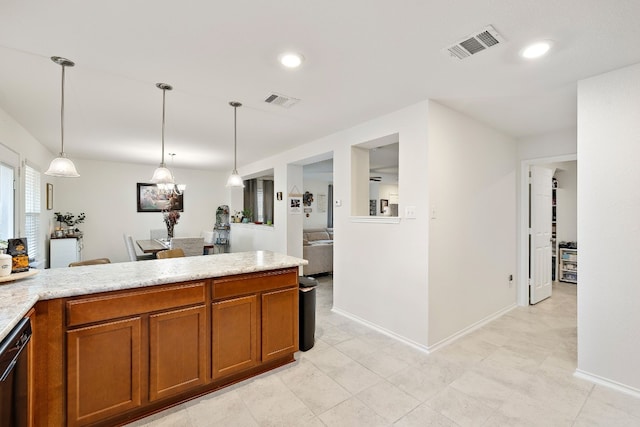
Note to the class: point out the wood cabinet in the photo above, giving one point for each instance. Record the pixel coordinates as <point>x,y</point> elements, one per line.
<point>279,323</point>
<point>235,345</point>
<point>255,320</point>
<point>177,351</point>
<point>103,370</point>
<point>127,349</point>
<point>109,358</point>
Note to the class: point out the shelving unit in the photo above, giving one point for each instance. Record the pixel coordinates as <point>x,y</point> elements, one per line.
<point>569,265</point>
<point>221,230</point>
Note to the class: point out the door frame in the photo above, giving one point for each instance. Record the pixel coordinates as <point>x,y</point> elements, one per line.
<point>11,158</point>
<point>522,294</point>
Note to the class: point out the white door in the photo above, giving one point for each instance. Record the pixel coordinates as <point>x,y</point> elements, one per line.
<point>540,235</point>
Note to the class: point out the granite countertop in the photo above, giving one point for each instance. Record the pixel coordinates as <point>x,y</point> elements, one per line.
<point>17,298</point>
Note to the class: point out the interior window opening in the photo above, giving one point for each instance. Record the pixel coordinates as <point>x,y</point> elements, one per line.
<point>374,177</point>
<point>258,199</point>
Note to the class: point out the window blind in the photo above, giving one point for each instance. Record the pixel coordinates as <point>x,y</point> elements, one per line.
<point>32,211</point>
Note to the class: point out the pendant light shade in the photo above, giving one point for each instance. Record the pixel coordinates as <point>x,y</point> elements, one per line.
<point>61,166</point>
<point>235,180</point>
<point>162,175</point>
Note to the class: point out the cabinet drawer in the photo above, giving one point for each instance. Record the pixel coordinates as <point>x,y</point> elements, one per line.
<point>251,283</point>
<point>105,307</point>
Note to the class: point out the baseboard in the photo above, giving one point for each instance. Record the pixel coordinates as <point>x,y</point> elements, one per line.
<point>632,391</point>
<point>477,325</point>
<point>382,330</point>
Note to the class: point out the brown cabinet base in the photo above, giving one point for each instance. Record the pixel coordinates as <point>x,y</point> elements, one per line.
<point>109,359</point>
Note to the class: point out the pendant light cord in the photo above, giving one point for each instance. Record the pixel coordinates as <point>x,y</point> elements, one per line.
<point>164,92</point>
<point>62,116</point>
<point>235,139</point>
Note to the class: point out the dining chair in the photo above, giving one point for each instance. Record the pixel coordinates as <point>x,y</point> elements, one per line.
<point>90,262</point>
<point>158,234</point>
<point>208,237</point>
<point>131,250</point>
<point>191,246</point>
<point>170,253</point>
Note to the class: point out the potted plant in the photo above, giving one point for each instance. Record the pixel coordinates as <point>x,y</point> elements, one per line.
<point>246,215</point>
<point>70,220</point>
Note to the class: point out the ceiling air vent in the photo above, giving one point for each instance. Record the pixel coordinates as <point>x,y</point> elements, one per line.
<point>281,100</point>
<point>474,43</point>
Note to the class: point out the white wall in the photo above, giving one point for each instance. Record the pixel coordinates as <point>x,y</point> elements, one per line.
<point>106,193</point>
<point>609,226</point>
<point>472,239</point>
<point>316,219</point>
<point>254,237</point>
<point>554,144</point>
<point>380,270</point>
<point>15,137</point>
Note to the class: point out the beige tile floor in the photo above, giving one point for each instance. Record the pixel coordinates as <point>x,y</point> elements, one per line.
<point>515,371</point>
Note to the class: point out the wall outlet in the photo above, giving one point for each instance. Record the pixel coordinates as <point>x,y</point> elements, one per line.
<point>510,280</point>
<point>337,203</point>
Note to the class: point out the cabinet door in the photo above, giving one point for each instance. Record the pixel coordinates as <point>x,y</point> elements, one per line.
<point>235,335</point>
<point>279,323</point>
<point>103,370</point>
<point>177,351</point>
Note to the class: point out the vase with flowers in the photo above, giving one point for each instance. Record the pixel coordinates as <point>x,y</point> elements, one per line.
<point>171,218</point>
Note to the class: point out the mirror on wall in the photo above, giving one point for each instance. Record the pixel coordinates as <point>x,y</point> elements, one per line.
<point>374,177</point>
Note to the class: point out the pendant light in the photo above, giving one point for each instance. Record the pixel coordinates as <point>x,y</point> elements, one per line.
<point>163,176</point>
<point>61,166</point>
<point>235,180</point>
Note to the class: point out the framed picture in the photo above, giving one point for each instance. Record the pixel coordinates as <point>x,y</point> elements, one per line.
<point>151,199</point>
<point>372,207</point>
<point>295,205</point>
<point>383,204</point>
<point>49,196</point>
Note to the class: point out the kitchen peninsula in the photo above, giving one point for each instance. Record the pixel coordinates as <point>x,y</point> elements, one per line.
<point>115,342</point>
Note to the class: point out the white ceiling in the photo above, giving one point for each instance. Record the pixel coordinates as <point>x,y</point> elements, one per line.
<point>364,58</point>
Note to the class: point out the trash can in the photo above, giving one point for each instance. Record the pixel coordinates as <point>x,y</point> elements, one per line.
<point>307,312</point>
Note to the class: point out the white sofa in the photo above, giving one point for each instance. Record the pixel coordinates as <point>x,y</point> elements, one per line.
<point>317,248</point>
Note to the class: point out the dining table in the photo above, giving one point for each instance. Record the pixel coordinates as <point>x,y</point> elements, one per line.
<point>153,246</point>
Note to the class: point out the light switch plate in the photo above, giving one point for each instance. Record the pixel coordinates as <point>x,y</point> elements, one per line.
<point>410,212</point>
<point>337,203</point>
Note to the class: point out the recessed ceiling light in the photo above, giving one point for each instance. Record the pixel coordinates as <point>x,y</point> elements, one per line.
<point>536,50</point>
<point>291,60</point>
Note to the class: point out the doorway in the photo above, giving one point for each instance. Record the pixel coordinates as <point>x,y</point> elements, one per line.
<point>564,232</point>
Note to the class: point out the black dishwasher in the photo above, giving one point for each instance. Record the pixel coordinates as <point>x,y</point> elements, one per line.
<point>14,379</point>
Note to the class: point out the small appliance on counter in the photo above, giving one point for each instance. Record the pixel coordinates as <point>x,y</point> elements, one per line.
<point>17,248</point>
